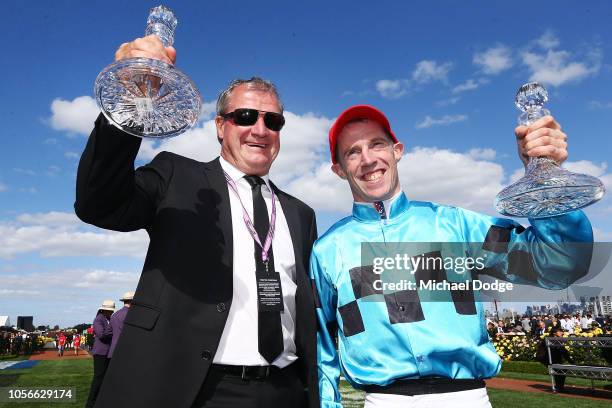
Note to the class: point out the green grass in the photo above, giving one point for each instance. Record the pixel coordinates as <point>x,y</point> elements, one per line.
<point>527,370</point>
<point>352,398</point>
<point>531,367</point>
<point>55,373</point>
<point>514,399</point>
<point>13,357</point>
<point>77,374</point>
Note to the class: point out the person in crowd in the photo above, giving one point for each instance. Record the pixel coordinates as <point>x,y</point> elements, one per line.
<point>117,319</point>
<point>558,355</point>
<point>526,323</point>
<point>77,343</point>
<point>69,339</point>
<point>555,322</point>
<point>541,330</point>
<point>549,320</point>
<point>389,342</point>
<point>61,344</point>
<point>103,335</point>
<point>501,328</point>
<point>585,322</point>
<point>90,338</point>
<point>567,324</point>
<point>491,329</point>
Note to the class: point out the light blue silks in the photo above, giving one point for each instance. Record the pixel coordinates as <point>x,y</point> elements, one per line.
<point>382,339</point>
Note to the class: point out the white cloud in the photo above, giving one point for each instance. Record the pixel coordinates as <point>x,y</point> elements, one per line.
<point>600,105</point>
<point>425,72</point>
<point>494,60</point>
<point>304,144</point>
<point>72,155</point>
<point>391,88</point>
<point>76,116</point>
<point>106,279</point>
<point>516,175</point>
<point>449,101</point>
<point>49,219</point>
<point>443,121</point>
<point>600,235</point>
<point>555,68</point>
<point>587,167</point>
<point>580,166</point>
<point>449,177</point>
<point>3,187</point>
<point>322,189</point>
<point>208,111</point>
<point>428,71</point>
<point>482,153</point>
<point>18,293</point>
<point>68,281</point>
<point>27,172</point>
<point>468,85</point>
<point>548,40</point>
<point>56,234</point>
<point>424,174</point>
<point>199,143</point>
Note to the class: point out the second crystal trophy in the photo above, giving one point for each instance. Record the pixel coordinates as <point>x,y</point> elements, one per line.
<point>547,189</point>
<point>146,97</point>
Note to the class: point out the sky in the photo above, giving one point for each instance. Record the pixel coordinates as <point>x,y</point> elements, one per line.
<point>444,72</point>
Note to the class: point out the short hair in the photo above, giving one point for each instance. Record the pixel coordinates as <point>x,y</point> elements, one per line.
<point>256,83</point>
<point>360,120</point>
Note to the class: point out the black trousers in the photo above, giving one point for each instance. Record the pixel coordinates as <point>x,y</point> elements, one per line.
<point>100,365</point>
<point>559,382</point>
<point>279,390</point>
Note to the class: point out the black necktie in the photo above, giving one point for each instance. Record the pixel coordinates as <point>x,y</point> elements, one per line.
<point>270,334</point>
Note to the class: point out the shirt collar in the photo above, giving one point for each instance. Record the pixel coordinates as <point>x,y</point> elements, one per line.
<point>393,208</point>
<point>237,175</point>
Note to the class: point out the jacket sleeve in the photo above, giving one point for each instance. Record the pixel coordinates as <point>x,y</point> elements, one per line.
<point>552,253</point>
<point>109,192</point>
<point>327,355</point>
<point>103,330</point>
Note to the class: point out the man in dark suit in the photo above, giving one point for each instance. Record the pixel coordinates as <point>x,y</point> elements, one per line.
<point>218,319</point>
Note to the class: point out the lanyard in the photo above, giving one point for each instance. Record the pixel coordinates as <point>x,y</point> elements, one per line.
<point>249,223</point>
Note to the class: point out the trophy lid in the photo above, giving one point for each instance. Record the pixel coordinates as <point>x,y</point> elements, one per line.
<point>531,96</point>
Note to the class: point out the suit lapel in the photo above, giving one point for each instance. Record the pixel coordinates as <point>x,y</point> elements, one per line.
<point>221,200</point>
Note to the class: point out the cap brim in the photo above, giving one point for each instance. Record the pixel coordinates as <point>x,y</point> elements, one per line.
<point>352,113</point>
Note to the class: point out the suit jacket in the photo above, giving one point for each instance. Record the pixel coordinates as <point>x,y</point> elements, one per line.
<point>116,322</point>
<point>103,335</point>
<point>185,289</point>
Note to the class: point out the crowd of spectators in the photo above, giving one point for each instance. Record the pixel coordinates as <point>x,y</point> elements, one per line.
<point>537,326</point>
<point>16,342</point>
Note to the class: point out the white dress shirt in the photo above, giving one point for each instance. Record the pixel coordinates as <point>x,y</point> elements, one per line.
<point>238,344</point>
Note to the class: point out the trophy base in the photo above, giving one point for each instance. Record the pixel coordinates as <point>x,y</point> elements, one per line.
<point>548,190</point>
<point>147,98</point>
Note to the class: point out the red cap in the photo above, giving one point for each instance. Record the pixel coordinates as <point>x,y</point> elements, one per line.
<point>356,112</point>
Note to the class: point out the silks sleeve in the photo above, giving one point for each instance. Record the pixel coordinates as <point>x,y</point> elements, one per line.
<point>328,362</point>
<point>552,253</point>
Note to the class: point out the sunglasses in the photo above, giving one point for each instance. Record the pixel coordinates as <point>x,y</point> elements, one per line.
<point>248,117</point>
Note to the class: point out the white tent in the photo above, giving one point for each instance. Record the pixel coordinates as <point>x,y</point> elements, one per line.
<point>5,321</point>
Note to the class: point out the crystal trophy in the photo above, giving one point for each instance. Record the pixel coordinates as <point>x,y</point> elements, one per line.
<point>546,189</point>
<point>146,97</point>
